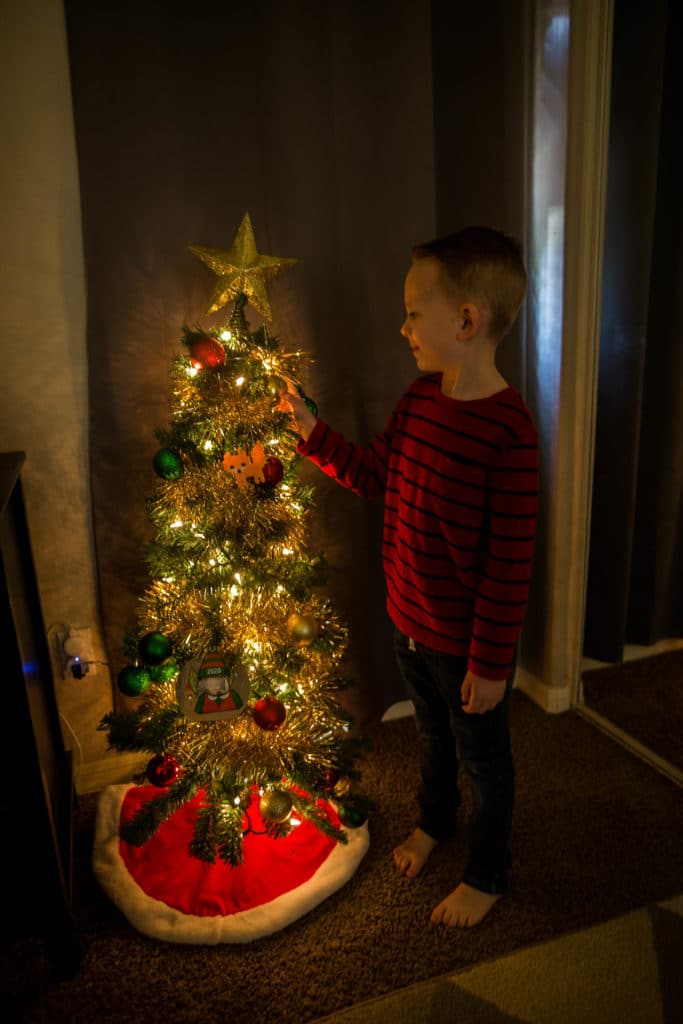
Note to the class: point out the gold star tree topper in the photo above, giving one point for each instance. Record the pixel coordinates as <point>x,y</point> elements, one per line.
<point>241,269</point>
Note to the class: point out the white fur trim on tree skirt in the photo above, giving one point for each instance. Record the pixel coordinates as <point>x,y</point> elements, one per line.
<point>156,919</point>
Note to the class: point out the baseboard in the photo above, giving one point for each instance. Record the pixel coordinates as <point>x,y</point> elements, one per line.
<point>402,709</point>
<point>636,652</point>
<point>553,699</point>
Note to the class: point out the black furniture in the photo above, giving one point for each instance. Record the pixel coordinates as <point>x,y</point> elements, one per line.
<point>36,781</point>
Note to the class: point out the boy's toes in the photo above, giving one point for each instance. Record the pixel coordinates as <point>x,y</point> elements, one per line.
<point>401,860</point>
<point>411,855</point>
<point>464,907</point>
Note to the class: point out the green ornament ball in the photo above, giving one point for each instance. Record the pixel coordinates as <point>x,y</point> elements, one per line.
<point>308,402</point>
<point>165,673</point>
<point>350,816</point>
<point>133,680</point>
<point>154,648</point>
<point>168,464</point>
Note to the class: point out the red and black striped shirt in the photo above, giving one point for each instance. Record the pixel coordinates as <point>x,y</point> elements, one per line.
<point>460,483</point>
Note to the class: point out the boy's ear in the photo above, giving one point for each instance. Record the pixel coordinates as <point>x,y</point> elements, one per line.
<point>469,321</point>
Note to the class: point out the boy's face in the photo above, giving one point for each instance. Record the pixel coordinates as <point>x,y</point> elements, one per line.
<point>434,321</point>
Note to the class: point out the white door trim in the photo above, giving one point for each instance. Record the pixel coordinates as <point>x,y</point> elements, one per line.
<point>588,113</point>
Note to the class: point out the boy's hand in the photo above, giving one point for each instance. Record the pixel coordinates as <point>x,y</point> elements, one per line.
<point>304,420</point>
<point>480,695</point>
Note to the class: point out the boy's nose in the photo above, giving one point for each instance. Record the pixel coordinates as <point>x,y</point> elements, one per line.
<point>404,329</point>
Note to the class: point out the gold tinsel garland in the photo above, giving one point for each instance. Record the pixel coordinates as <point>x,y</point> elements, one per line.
<point>311,734</point>
<point>210,496</point>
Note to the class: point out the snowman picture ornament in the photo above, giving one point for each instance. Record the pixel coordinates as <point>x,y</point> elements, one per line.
<point>212,687</point>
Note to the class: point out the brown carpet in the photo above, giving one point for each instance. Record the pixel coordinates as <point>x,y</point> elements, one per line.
<point>645,699</point>
<point>597,833</point>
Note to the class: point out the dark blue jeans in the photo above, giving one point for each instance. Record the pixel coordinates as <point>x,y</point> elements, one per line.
<point>449,737</point>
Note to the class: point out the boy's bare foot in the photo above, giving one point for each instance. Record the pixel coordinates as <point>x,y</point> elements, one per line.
<point>464,907</point>
<point>411,855</point>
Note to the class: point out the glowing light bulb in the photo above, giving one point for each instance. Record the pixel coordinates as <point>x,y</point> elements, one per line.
<point>287,551</point>
<point>208,445</point>
<point>191,371</point>
<point>212,561</point>
<point>176,526</point>
<point>237,801</point>
<point>239,382</point>
<point>294,821</point>
<point>226,335</point>
<point>238,577</point>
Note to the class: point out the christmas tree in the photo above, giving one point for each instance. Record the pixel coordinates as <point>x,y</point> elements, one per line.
<point>236,657</point>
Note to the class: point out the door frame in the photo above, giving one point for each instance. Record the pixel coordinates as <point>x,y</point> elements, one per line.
<point>555,682</point>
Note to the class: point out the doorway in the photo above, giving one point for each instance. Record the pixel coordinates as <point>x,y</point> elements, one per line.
<point>632,668</point>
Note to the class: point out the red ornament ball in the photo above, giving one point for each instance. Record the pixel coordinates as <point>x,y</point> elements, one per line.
<point>273,471</point>
<point>207,353</point>
<point>269,713</point>
<point>330,778</point>
<point>162,770</point>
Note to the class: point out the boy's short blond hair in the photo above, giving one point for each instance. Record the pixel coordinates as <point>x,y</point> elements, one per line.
<point>482,265</point>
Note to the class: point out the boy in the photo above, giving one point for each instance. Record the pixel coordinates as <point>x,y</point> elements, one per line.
<point>457,466</point>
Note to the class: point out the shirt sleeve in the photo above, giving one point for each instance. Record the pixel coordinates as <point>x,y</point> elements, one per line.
<point>361,470</point>
<point>505,577</point>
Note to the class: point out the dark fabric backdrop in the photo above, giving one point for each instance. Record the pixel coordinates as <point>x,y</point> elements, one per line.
<point>635,585</point>
<point>319,119</point>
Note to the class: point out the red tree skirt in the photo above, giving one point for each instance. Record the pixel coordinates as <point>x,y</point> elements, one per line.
<point>168,894</point>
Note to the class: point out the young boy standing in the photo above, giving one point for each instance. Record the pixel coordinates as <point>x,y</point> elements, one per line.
<point>458,469</point>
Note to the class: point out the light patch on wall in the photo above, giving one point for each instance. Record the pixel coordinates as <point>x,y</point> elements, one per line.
<point>549,139</point>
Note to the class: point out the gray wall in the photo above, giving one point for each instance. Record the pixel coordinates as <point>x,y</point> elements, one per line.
<point>44,404</point>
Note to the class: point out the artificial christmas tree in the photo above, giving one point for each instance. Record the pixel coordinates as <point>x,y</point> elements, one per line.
<point>236,658</point>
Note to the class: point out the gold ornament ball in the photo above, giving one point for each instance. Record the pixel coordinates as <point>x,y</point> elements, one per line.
<point>342,787</point>
<point>303,628</point>
<point>275,805</point>
<point>274,385</point>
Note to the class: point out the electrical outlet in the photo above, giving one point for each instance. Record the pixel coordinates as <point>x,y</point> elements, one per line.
<point>77,653</point>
